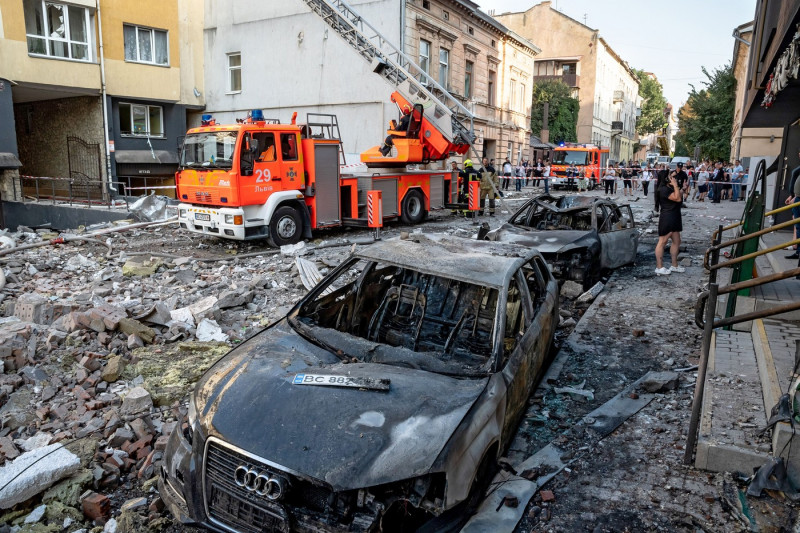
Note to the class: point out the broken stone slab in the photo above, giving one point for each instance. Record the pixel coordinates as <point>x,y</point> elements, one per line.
<point>80,263</point>
<point>113,369</point>
<point>571,289</point>
<point>110,315</point>
<point>567,323</point>
<point>137,401</point>
<point>660,381</point>
<point>230,299</point>
<point>572,391</point>
<point>36,308</point>
<point>194,311</point>
<point>131,326</point>
<point>35,471</point>
<point>40,440</point>
<point>209,330</point>
<point>141,266</point>
<point>36,515</point>
<point>159,315</point>
<point>592,293</point>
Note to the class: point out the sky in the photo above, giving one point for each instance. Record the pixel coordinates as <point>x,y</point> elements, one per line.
<point>673,39</point>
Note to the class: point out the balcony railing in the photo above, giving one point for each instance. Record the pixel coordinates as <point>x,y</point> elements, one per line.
<point>571,80</point>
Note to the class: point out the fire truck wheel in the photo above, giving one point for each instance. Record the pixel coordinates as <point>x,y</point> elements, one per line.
<point>286,226</point>
<point>413,208</point>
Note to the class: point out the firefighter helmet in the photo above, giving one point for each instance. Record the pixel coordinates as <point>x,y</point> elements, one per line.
<point>468,163</point>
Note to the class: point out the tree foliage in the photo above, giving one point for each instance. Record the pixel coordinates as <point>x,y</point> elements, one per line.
<point>653,104</point>
<point>706,120</point>
<point>563,112</point>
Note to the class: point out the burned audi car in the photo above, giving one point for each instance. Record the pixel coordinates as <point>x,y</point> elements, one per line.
<point>380,403</point>
<point>579,236</point>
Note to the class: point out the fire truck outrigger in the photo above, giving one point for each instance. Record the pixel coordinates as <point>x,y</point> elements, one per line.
<point>262,179</point>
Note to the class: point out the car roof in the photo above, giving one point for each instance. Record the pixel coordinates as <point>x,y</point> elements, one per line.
<point>483,263</point>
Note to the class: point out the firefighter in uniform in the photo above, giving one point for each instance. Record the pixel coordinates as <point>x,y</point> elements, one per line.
<point>488,176</point>
<point>467,175</point>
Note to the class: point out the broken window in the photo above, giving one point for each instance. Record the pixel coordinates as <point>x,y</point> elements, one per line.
<point>436,323</point>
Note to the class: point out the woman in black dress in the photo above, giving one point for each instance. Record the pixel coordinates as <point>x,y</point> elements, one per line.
<point>670,224</point>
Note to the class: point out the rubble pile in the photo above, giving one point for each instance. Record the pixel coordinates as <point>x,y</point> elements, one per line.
<point>99,345</point>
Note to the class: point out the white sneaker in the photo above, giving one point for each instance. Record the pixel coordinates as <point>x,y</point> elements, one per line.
<point>663,271</point>
<point>677,269</point>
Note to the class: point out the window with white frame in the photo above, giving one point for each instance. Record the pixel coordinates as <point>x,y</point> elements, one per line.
<point>444,68</point>
<point>141,120</point>
<point>425,55</point>
<point>512,100</point>
<point>522,98</point>
<point>235,72</point>
<point>145,45</point>
<point>57,30</point>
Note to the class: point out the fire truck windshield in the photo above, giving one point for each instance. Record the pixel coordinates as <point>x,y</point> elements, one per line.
<point>570,157</point>
<point>214,149</point>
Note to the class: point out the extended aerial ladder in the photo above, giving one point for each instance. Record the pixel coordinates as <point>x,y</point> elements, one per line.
<point>441,124</point>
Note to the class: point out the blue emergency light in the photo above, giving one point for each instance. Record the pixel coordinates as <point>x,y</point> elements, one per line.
<point>206,120</point>
<point>257,115</point>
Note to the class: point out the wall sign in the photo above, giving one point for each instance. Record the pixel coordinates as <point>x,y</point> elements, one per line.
<point>787,68</point>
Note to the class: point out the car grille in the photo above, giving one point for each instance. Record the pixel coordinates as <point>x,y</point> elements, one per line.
<point>238,509</point>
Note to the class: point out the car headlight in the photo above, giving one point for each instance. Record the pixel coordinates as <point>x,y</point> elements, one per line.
<point>229,219</point>
<point>187,428</point>
<point>182,213</point>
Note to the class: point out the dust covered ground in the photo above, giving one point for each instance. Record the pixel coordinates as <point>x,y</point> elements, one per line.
<point>101,340</point>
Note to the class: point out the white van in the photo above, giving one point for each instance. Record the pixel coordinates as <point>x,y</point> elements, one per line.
<point>675,160</point>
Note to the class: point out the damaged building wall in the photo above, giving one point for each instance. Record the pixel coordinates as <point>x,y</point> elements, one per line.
<point>42,128</point>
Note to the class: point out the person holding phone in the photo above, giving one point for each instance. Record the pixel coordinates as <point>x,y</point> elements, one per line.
<point>670,224</point>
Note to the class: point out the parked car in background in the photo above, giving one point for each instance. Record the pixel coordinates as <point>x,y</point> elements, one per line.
<point>380,403</point>
<point>675,160</point>
<point>579,236</point>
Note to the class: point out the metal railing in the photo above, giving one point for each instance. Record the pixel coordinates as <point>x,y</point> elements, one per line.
<point>65,191</point>
<point>706,306</point>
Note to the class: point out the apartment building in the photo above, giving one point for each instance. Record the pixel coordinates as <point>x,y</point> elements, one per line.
<point>94,95</point>
<point>306,68</point>
<point>606,87</point>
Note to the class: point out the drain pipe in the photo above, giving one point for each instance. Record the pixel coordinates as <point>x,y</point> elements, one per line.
<point>104,95</point>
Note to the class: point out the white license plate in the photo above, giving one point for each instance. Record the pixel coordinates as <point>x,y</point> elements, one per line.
<point>202,216</point>
<point>332,380</point>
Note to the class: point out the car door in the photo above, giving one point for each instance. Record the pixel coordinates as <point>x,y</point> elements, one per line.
<point>619,237</point>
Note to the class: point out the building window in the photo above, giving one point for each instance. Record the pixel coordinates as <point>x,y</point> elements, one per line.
<point>235,72</point>
<point>470,30</point>
<point>145,45</point>
<point>57,30</point>
<point>490,91</point>
<point>569,68</point>
<point>494,44</point>
<point>468,79</point>
<point>425,56</point>
<point>444,68</point>
<point>445,15</point>
<point>522,98</point>
<point>512,100</point>
<point>426,4</point>
<point>141,120</point>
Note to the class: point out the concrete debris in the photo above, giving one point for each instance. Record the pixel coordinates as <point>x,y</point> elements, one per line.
<point>293,249</point>
<point>36,515</point>
<point>571,289</point>
<point>576,391</point>
<point>136,402</point>
<point>660,381</point>
<point>33,472</point>
<point>592,293</point>
<point>209,330</point>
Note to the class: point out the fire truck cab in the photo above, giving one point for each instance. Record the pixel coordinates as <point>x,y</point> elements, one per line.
<point>589,158</point>
<point>261,179</point>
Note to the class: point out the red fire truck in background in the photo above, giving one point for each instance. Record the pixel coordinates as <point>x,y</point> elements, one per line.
<point>590,158</point>
<point>262,179</point>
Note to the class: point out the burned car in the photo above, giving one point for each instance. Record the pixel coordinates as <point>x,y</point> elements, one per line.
<point>579,236</point>
<point>380,403</point>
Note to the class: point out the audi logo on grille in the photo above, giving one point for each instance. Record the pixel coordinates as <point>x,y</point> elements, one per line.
<point>261,483</point>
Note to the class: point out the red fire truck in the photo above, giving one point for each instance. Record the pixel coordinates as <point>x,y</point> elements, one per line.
<point>262,179</point>
<point>590,158</point>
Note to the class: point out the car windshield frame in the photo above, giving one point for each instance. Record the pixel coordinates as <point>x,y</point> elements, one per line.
<point>353,347</point>
<point>209,149</point>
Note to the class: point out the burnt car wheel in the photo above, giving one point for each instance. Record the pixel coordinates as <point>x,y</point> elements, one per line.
<point>593,270</point>
<point>413,208</point>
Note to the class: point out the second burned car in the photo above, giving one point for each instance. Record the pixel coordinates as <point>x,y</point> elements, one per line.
<point>579,236</point>
<point>382,402</point>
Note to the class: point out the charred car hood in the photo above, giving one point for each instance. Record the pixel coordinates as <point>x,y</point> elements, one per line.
<point>347,437</point>
<point>547,242</point>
